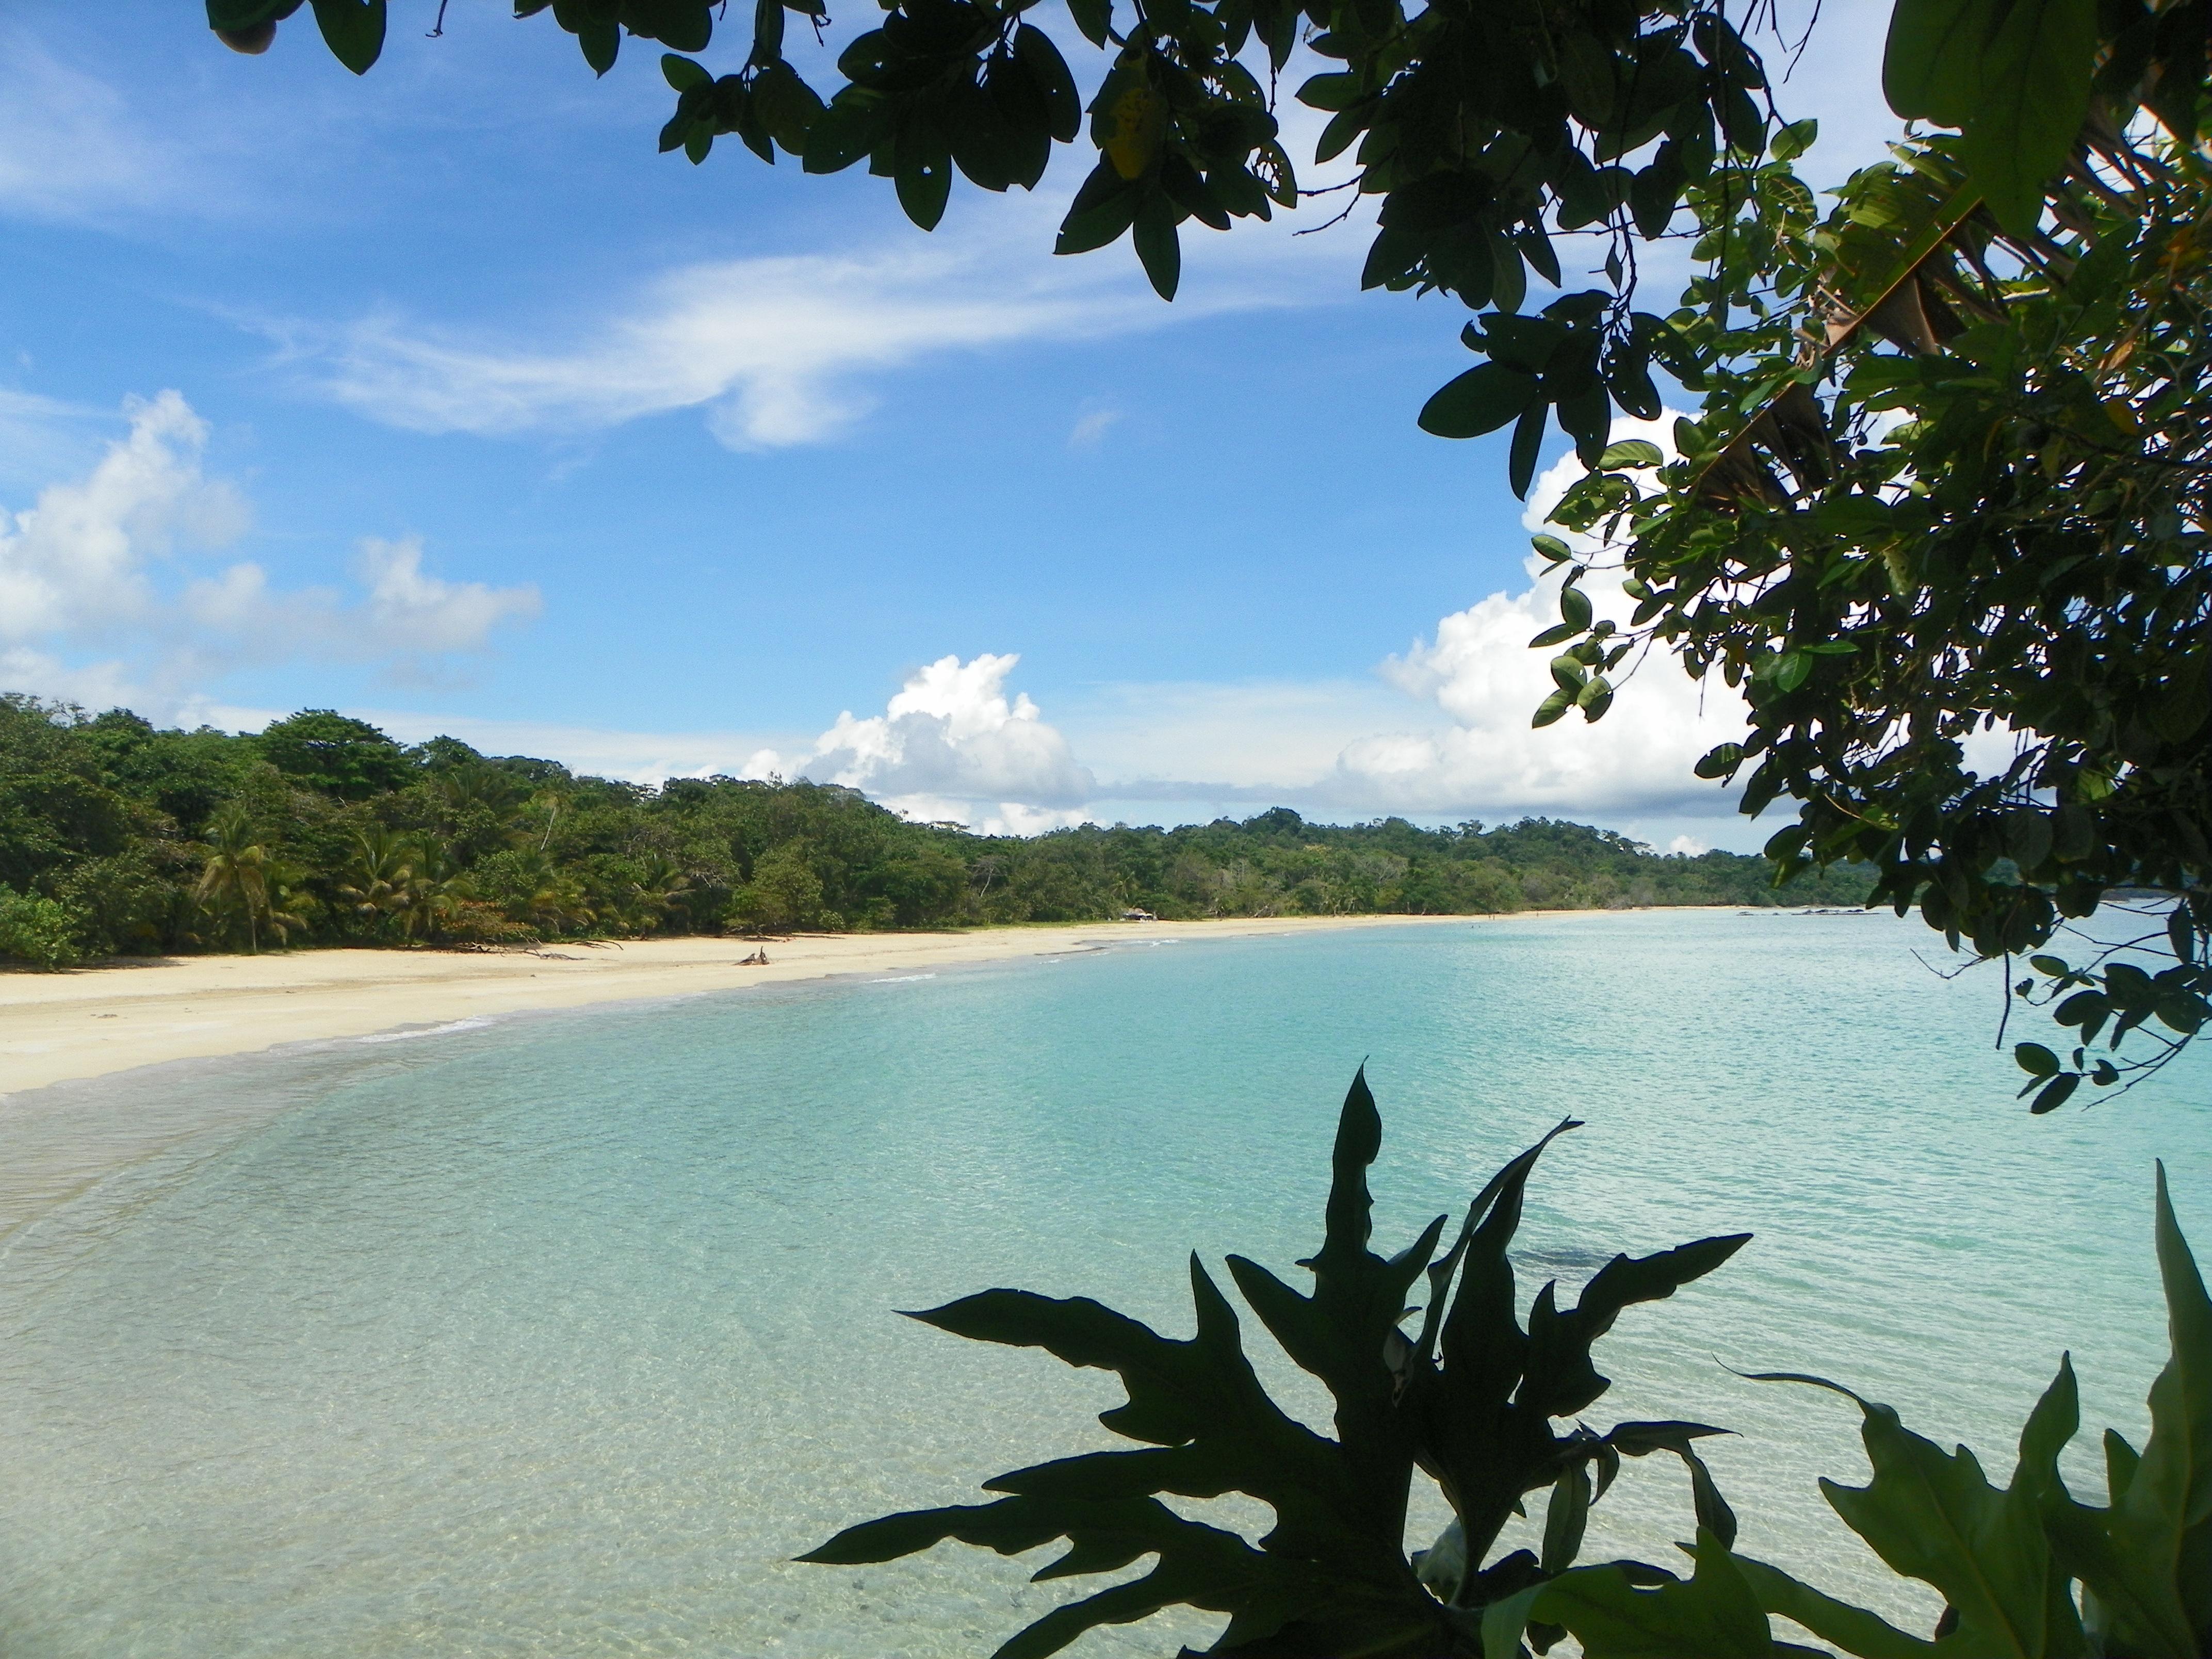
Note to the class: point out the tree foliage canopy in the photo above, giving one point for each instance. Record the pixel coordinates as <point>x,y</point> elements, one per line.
<point>116,837</point>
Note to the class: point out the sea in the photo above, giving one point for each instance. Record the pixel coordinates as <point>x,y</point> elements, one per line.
<point>562,1334</point>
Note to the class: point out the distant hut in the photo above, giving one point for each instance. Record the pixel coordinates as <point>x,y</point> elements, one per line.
<point>1138,916</point>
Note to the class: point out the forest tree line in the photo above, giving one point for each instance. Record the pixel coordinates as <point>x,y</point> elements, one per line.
<point>118,838</point>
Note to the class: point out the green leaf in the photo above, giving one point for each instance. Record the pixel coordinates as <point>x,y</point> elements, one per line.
<point>1561,1380</point>
<point>600,43</point>
<point>768,38</point>
<point>1792,670</point>
<point>844,132</point>
<point>1552,709</point>
<point>1528,444</point>
<point>1095,18</point>
<point>1564,1519</point>
<point>680,25</point>
<point>1158,247</point>
<point>787,107</point>
<point>1641,1439</point>
<point>1552,547</point>
<point>2035,1060</point>
<point>1629,452</point>
<point>1931,65</point>
<point>924,176</point>
<point>1858,521</point>
<point>1794,140</point>
<point>1852,1628</point>
<point>2146,1563</point>
<point>683,74</point>
<point>1719,760</point>
<point>1712,1615</point>
<point>1575,608</point>
<point>1103,208</point>
<point>353,30</point>
<point>1048,70</point>
<point>2034,95</point>
<point>1330,1577</point>
<point>1481,400</point>
<point>2055,1093</point>
<point>1934,1516</point>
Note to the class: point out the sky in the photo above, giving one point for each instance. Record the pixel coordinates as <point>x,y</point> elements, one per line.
<point>438,396</point>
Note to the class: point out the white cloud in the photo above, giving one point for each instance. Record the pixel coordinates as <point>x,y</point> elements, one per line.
<point>767,346</point>
<point>951,746</point>
<point>415,615</point>
<point>100,567</point>
<point>1479,670</point>
<point>773,350</point>
<point>783,350</point>
<point>78,563</point>
<point>1689,847</point>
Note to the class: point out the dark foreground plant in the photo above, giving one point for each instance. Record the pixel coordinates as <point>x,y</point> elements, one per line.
<point>1471,1399</point>
<point>2006,1560</point>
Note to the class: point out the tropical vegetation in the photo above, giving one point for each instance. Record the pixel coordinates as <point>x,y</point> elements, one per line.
<point>1489,1409</point>
<point>1939,514</point>
<point>118,838</point>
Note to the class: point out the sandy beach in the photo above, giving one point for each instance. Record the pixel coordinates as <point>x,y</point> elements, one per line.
<point>55,1028</point>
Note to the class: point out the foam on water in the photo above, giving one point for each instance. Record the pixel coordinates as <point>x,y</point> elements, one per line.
<point>562,1334</point>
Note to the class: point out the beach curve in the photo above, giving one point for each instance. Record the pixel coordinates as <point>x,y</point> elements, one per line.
<point>57,1028</point>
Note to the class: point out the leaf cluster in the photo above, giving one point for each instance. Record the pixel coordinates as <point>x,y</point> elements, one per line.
<point>1470,1397</point>
<point>1949,482</point>
<point>2026,1570</point>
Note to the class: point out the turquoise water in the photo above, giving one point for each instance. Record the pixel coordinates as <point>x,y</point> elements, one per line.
<point>560,1335</point>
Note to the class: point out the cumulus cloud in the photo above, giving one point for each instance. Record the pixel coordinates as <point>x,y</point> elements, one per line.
<point>952,745</point>
<point>1454,741</point>
<point>100,602</point>
<point>1477,669</point>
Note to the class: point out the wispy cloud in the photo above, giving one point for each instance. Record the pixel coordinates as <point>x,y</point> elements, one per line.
<point>772,350</point>
<point>784,351</point>
<point>1090,430</point>
<point>71,147</point>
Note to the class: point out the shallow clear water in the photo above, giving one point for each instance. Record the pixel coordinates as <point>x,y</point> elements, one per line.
<point>560,1336</point>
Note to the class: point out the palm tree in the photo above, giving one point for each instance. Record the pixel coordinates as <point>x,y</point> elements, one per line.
<point>479,808</point>
<point>436,893</point>
<point>534,890</point>
<point>383,876</point>
<point>285,909</point>
<point>658,886</point>
<point>235,878</point>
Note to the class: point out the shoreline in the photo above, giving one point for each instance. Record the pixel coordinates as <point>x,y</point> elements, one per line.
<point>96,1023</point>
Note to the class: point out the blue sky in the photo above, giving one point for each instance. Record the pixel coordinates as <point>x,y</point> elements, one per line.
<point>440,396</point>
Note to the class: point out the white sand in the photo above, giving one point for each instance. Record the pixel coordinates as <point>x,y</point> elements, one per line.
<point>57,1027</point>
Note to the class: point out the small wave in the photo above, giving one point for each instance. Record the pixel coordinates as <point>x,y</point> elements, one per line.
<point>901,979</point>
<point>474,1023</point>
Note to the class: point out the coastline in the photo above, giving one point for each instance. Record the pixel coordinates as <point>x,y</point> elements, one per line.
<point>60,1028</point>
